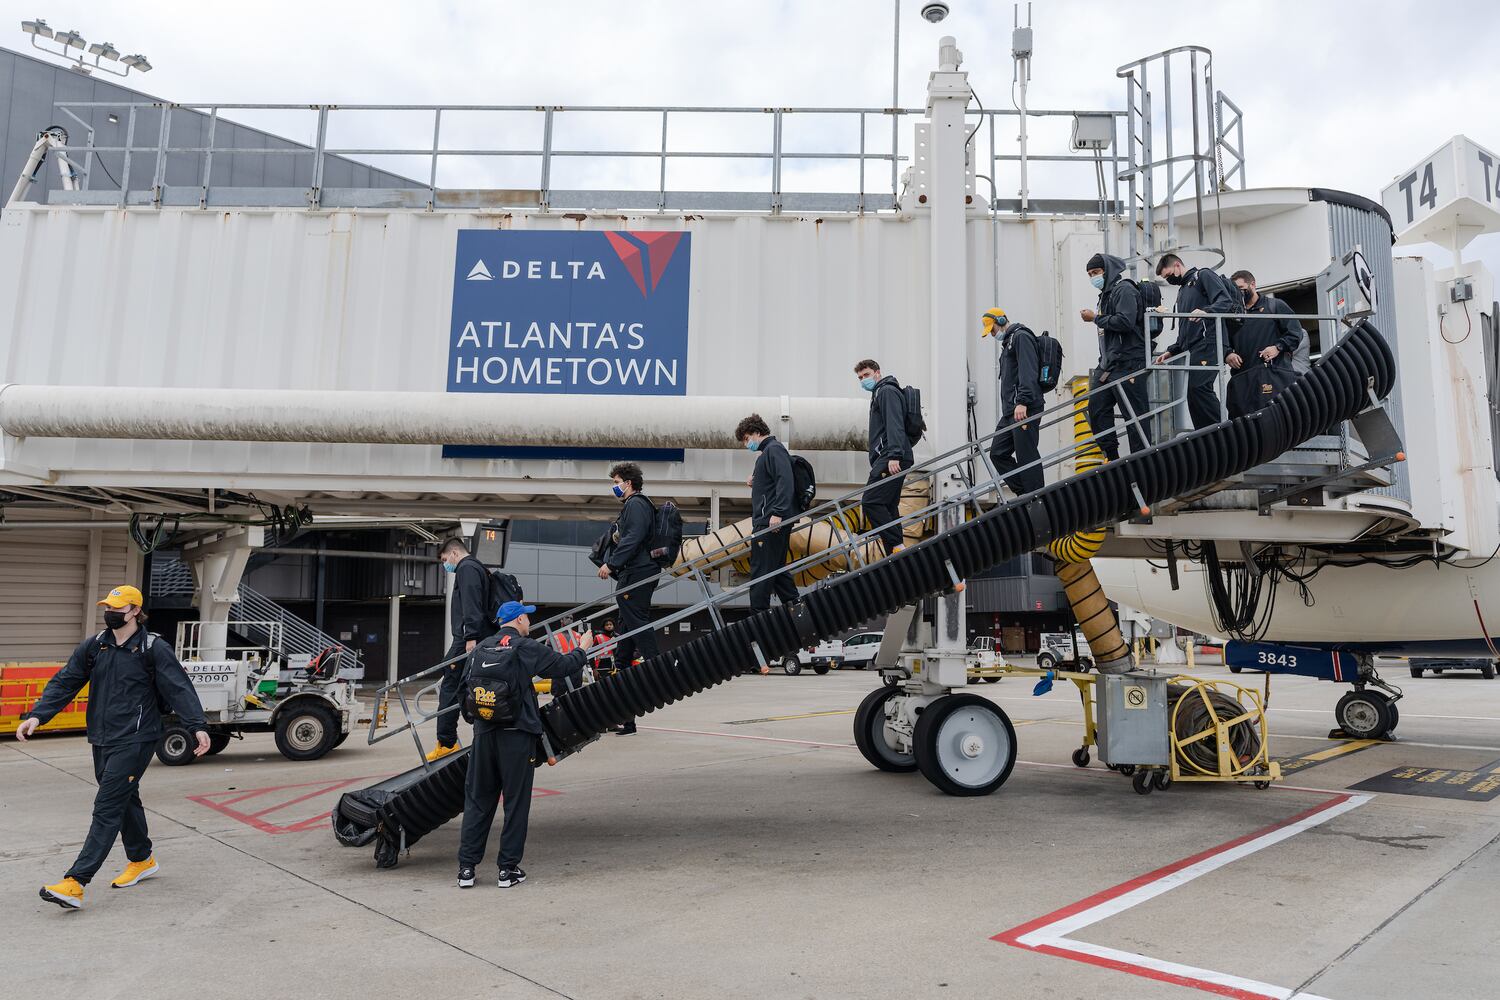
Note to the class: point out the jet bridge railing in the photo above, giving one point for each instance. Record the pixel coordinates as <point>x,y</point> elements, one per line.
<point>151,160</point>
<point>851,546</point>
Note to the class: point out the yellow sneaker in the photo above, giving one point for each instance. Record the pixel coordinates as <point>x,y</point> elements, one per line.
<point>440,751</point>
<point>134,872</point>
<point>68,894</point>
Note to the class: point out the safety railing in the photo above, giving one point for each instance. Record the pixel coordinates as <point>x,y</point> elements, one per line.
<point>774,150</point>
<point>190,639</point>
<point>850,546</point>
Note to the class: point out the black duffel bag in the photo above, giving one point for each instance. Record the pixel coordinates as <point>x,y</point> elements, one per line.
<point>1256,384</point>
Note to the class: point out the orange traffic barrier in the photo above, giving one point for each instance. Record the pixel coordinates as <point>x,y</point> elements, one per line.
<point>21,685</point>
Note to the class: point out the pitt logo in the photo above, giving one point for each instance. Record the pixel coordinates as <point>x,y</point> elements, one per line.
<point>484,702</point>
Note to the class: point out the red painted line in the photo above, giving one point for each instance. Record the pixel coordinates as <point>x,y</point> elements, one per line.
<point>216,802</point>
<point>1010,936</point>
<point>1087,954</point>
<point>303,798</point>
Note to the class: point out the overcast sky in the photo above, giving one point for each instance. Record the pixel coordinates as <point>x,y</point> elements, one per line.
<point>1336,93</point>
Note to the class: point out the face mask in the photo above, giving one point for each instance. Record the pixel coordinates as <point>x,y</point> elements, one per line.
<point>114,620</point>
<point>1097,281</point>
<point>1249,294</point>
<point>1175,279</point>
<point>449,567</point>
<point>752,444</point>
<point>867,384</point>
<point>618,491</point>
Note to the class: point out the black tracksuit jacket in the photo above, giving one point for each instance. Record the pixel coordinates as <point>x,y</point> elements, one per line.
<point>128,684</point>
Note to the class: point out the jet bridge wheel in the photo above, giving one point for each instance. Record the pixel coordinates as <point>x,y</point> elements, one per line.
<point>1365,715</point>
<point>965,745</point>
<point>870,733</point>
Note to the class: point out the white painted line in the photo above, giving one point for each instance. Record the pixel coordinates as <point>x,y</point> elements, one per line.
<point>1049,934</point>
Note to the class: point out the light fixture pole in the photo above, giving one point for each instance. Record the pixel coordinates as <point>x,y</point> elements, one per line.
<point>101,51</point>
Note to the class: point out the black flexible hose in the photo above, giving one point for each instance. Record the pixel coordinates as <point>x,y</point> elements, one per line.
<point>1341,384</point>
<point>1344,382</point>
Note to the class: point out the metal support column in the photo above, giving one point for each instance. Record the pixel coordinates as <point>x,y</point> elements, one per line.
<point>218,563</point>
<point>948,96</point>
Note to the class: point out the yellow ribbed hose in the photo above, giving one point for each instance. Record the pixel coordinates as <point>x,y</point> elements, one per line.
<point>1096,619</point>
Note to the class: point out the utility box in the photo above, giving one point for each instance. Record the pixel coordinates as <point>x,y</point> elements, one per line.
<point>1132,725</point>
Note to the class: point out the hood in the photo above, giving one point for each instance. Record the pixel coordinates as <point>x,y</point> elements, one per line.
<point>1113,268</point>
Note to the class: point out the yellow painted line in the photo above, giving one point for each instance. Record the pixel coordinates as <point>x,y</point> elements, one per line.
<point>788,718</point>
<point>1353,746</point>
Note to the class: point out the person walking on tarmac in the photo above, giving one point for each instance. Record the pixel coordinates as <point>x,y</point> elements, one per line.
<point>507,730</point>
<point>771,506</point>
<point>890,452</point>
<point>470,619</point>
<point>1200,291</point>
<point>628,562</point>
<point>131,673</point>
<point>1119,318</point>
<point>1015,442</point>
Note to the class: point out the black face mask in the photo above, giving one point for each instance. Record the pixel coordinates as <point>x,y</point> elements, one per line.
<point>1249,294</point>
<point>1175,279</point>
<point>114,620</point>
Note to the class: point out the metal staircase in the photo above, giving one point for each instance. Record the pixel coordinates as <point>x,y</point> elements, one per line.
<point>257,617</point>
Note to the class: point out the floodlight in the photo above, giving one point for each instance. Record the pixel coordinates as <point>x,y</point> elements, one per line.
<point>104,50</point>
<point>37,27</point>
<point>137,62</point>
<point>68,38</point>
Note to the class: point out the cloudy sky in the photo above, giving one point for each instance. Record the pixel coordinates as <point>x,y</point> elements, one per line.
<point>1336,93</point>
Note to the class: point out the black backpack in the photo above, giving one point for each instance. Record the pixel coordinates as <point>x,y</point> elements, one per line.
<point>488,692</point>
<point>1236,297</point>
<point>666,534</point>
<point>1049,357</point>
<point>503,587</point>
<point>911,402</point>
<point>804,483</point>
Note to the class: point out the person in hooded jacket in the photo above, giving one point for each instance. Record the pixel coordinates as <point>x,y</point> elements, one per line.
<point>1120,319</point>
<point>890,452</point>
<point>771,506</point>
<point>1201,291</point>
<point>132,675</point>
<point>470,620</point>
<point>1015,442</point>
<point>497,679</point>
<point>628,562</point>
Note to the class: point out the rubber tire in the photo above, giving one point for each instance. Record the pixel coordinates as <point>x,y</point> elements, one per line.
<point>869,723</point>
<point>1437,671</point>
<point>1235,670</point>
<point>791,666</point>
<point>340,741</point>
<point>175,748</point>
<point>1373,702</point>
<point>217,742</point>
<point>929,727</point>
<point>820,669</point>
<point>1416,671</point>
<point>992,680</point>
<point>1081,757</point>
<point>288,720</point>
<point>1162,780</point>
<point>1487,671</point>
<point>1085,664</point>
<point>1395,717</point>
<point>1141,782</point>
<point>1261,786</point>
<point>1046,661</point>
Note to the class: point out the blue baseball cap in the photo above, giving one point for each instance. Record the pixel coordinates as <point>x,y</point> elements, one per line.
<point>511,610</point>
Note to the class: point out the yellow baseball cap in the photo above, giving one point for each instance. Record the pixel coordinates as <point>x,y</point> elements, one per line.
<point>992,320</point>
<point>122,596</point>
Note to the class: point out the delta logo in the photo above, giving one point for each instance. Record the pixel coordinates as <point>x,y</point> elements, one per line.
<point>645,256</point>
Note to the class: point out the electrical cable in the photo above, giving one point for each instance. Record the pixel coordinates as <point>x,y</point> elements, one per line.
<point>1193,718</point>
<point>1468,327</point>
